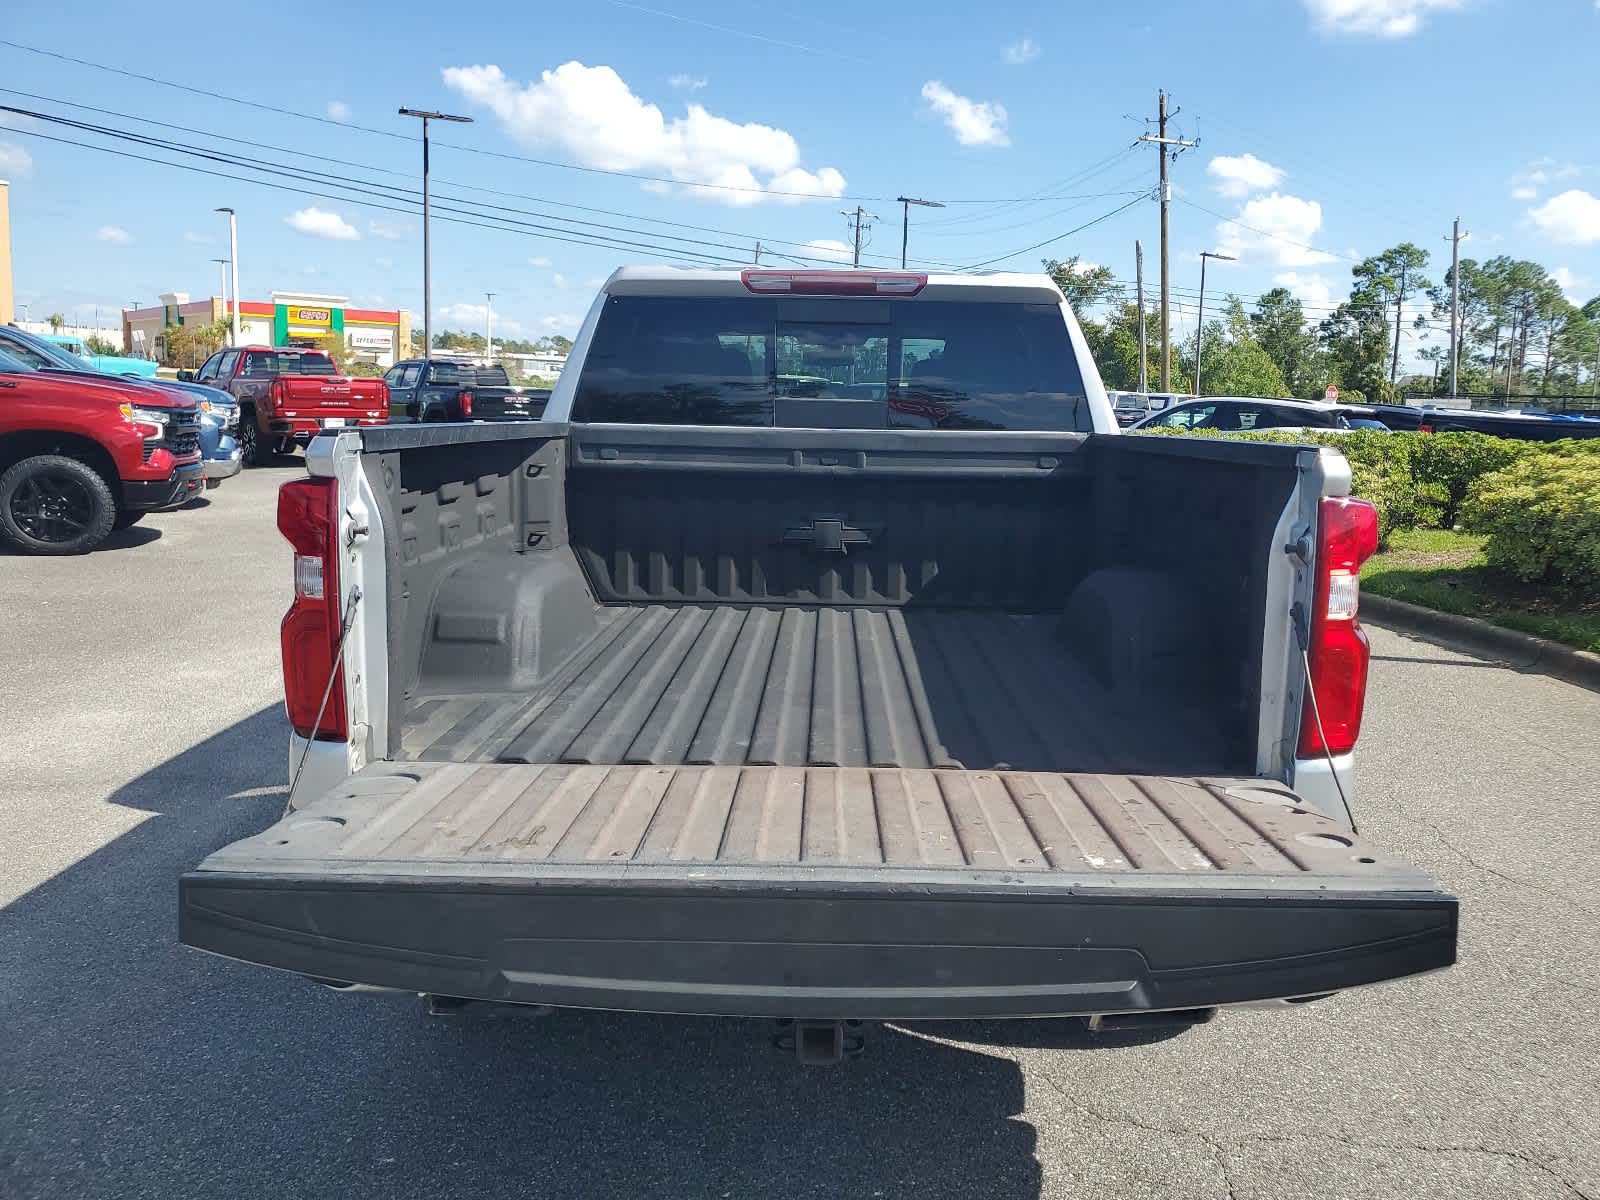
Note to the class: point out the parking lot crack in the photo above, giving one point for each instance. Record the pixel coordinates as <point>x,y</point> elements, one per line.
<point>1220,1147</point>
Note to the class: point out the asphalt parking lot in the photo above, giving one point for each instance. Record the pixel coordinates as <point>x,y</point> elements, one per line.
<point>143,728</point>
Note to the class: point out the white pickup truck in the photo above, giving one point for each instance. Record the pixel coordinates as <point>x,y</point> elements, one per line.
<point>824,654</point>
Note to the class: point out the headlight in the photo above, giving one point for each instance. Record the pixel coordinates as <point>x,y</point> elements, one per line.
<point>151,421</point>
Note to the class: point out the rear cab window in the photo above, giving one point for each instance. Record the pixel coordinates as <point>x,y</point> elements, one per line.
<point>823,362</point>
<point>260,364</point>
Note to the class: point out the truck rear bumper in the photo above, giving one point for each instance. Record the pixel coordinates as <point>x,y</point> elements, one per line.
<point>631,888</point>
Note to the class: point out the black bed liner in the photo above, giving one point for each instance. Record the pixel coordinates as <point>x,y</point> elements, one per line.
<point>818,892</point>
<point>817,686</point>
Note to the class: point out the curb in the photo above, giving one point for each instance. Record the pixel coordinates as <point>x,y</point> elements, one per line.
<point>1522,651</point>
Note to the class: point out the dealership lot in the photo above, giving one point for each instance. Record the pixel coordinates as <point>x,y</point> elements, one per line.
<point>144,729</point>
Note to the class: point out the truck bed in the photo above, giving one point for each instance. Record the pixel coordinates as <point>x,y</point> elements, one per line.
<point>818,892</point>
<point>819,686</point>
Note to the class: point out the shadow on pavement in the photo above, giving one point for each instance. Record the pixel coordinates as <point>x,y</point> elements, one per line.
<point>136,1067</point>
<point>120,539</point>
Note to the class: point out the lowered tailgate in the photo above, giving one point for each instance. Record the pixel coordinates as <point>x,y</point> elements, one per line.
<point>818,891</point>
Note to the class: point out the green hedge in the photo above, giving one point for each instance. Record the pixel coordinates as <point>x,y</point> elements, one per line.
<point>1542,515</point>
<point>1423,480</point>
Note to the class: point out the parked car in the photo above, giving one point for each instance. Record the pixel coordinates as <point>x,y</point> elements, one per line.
<point>111,364</point>
<point>1135,406</point>
<point>435,390</point>
<point>1239,413</point>
<point>83,454</point>
<point>898,692</point>
<point>288,394</point>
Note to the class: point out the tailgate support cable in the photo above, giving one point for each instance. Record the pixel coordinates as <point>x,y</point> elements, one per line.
<point>333,673</point>
<point>1302,635</point>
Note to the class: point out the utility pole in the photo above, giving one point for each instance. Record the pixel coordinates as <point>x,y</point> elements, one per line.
<point>1138,275</point>
<point>905,221</point>
<point>1455,302</point>
<point>758,254</point>
<point>1162,141</point>
<point>488,324</point>
<point>427,261</point>
<point>857,216</point>
<point>233,258</point>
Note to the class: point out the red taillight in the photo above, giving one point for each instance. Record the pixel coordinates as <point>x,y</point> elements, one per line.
<point>308,516</point>
<point>1347,536</point>
<point>834,283</point>
<point>466,403</point>
<point>277,395</point>
<point>1425,427</point>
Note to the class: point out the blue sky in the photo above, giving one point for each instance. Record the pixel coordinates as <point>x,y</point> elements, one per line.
<point>1333,127</point>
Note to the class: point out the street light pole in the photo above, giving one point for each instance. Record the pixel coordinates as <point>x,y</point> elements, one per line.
<point>905,221</point>
<point>488,319</point>
<point>427,267</point>
<point>1200,325</point>
<point>222,283</point>
<point>233,258</point>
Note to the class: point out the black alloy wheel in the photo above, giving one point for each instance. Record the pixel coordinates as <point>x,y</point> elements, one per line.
<point>52,504</point>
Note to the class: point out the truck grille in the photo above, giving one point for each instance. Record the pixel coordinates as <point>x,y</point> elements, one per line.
<point>182,439</point>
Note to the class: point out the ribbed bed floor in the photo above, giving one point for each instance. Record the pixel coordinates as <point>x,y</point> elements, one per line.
<point>848,687</point>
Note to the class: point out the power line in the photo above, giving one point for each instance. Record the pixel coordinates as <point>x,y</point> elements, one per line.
<point>1266,233</point>
<point>1048,241</point>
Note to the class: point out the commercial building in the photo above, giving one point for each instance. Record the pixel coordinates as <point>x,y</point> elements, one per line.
<point>376,336</point>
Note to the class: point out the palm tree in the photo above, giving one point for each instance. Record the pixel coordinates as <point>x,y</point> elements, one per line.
<point>56,322</point>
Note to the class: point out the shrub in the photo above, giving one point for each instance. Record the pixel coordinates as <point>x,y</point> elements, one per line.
<point>1446,465</point>
<point>1542,515</point>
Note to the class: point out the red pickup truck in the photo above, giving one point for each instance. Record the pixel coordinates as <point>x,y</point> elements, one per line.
<point>288,395</point>
<point>81,456</point>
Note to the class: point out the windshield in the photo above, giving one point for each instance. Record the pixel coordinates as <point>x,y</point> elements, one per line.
<point>12,365</point>
<point>38,353</point>
<point>832,364</point>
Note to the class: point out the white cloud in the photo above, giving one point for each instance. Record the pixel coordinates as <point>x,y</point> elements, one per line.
<point>599,281</point>
<point>563,323</point>
<point>1573,286</point>
<point>392,230</point>
<point>559,280</point>
<point>198,239</point>
<point>538,262</point>
<point>111,233</point>
<point>1021,52</point>
<point>1378,18</point>
<point>15,162</point>
<point>1572,217</point>
<point>591,114</point>
<point>322,223</point>
<point>829,249</point>
<point>1526,193</point>
<point>973,123</point>
<point>1281,230</point>
<point>1526,183</point>
<point>1238,176</point>
<point>472,317</point>
<point>689,83</point>
<point>338,110</point>
<point>1313,291</point>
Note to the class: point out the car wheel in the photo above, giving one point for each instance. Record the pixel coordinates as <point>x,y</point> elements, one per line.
<point>51,504</point>
<point>249,439</point>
